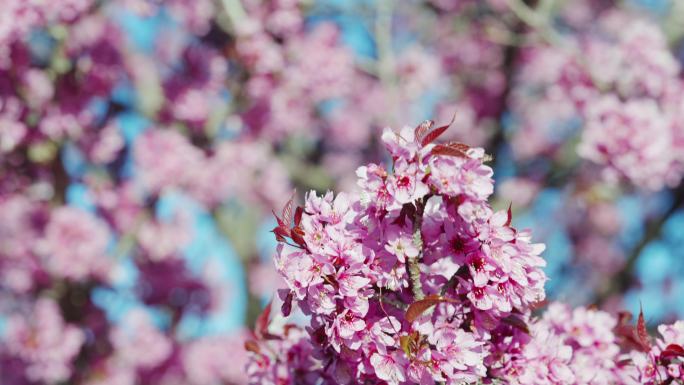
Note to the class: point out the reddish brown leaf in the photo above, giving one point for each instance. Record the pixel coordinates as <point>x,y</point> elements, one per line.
<point>280,233</point>
<point>624,317</point>
<point>287,328</point>
<point>447,151</point>
<point>451,149</point>
<point>627,337</point>
<point>252,346</point>
<point>299,211</point>
<point>278,219</point>
<point>419,307</point>
<point>458,146</point>
<point>422,129</point>
<point>641,332</point>
<point>672,351</point>
<point>261,325</point>
<point>272,337</point>
<point>436,133</point>
<point>510,214</point>
<point>286,214</point>
<point>433,135</point>
<point>297,235</point>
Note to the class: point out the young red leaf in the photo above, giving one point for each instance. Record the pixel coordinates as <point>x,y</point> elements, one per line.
<point>422,129</point>
<point>286,214</point>
<point>280,233</point>
<point>433,135</point>
<point>451,149</point>
<point>642,333</point>
<point>297,235</point>
<point>261,325</point>
<point>510,215</point>
<point>299,211</point>
<point>457,146</point>
<point>447,151</point>
<point>436,133</point>
<point>624,317</point>
<point>287,328</point>
<point>419,307</point>
<point>628,338</point>
<point>672,351</point>
<point>279,220</point>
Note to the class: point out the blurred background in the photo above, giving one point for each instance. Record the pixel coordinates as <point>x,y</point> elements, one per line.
<point>144,144</point>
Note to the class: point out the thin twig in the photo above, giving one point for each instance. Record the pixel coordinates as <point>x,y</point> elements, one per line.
<point>383,298</point>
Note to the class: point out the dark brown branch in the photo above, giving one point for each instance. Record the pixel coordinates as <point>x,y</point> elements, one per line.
<point>510,58</point>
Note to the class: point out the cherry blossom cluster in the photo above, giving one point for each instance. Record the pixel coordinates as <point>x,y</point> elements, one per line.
<point>613,98</point>
<point>52,258</point>
<point>413,278</point>
<point>567,347</point>
<point>395,273</point>
<point>588,346</point>
<point>132,131</point>
<point>63,63</point>
<point>623,88</point>
<point>663,361</point>
<point>168,161</point>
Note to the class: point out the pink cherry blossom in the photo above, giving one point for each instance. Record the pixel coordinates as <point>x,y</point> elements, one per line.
<point>44,342</point>
<point>75,245</point>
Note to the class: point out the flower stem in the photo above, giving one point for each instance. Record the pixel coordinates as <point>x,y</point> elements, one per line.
<point>414,263</point>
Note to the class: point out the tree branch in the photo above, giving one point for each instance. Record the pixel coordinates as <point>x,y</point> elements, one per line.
<point>386,61</point>
<point>510,56</point>
<point>623,279</point>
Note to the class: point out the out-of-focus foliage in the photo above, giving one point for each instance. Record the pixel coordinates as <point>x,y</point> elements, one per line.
<point>144,143</point>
